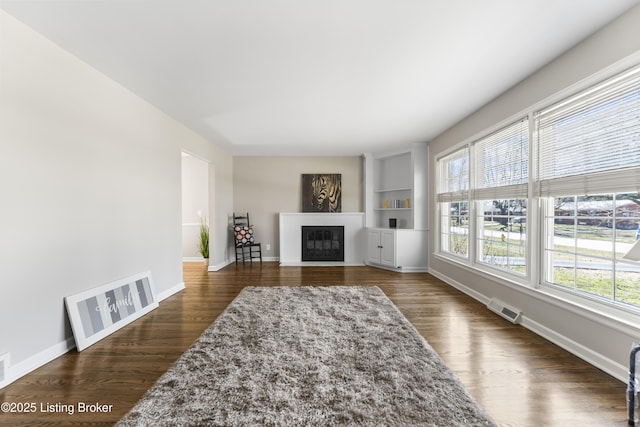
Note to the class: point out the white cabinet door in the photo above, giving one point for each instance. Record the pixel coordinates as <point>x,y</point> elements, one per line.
<point>398,249</point>
<point>381,247</point>
<point>374,246</point>
<point>388,250</point>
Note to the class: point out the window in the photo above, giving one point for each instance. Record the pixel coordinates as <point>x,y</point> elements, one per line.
<point>454,173</point>
<point>502,234</point>
<point>586,239</point>
<point>497,192</point>
<point>583,185</point>
<point>588,179</point>
<point>589,140</point>
<point>503,159</point>
<point>453,203</point>
<point>501,187</point>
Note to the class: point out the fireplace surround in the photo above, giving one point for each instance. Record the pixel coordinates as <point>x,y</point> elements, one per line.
<point>290,234</point>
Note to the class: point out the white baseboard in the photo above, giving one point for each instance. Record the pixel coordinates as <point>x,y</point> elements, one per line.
<point>19,370</point>
<point>462,288</point>
<point>609,366</point>
<point>319,264</point>
<point>596,359</point>
<point>398,269</point>
<point>414,270</point>
<point>220,266</point>
<point>171,291</point>
<point>223,264</point>
<point>32,363</point>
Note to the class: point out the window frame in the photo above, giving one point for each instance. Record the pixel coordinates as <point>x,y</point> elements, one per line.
<point>534,280</point>
<point>448,195</point>
<point>517,131</point>
<point>548,229</point>
<point>471,195</point>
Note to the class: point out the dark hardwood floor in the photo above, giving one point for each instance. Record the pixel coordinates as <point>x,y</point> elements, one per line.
<point>520,378</point>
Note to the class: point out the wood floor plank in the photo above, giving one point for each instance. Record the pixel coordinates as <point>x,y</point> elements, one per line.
<point>520,378</point>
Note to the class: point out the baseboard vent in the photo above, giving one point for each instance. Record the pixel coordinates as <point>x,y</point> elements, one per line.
<point>513,315</point>
<point>4,368</point>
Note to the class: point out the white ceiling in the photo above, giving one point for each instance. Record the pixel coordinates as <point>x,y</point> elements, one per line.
<point>311,77</point>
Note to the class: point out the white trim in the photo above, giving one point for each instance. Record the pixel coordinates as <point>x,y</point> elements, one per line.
<point>616,318</point>
<point>228,262</point>
<point>462,288</point>
<point>290,233</point>
<point>220,266</point>
<point>171,291</point>
<point>413,269</point>
<point>500,275</point>
<point>5,360</point>
<point>320,264</point>
<point>19,370</point>
<point>595,78</point>
<point>598,360</point>
<point>609,366</point>
<point>39,359</point>
<point>398,269</point>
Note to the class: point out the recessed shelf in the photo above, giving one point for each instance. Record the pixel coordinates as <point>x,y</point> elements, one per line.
<point>393,190</point>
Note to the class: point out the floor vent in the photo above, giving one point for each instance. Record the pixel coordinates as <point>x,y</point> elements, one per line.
<point>4,366</point>
<point>513,315</point>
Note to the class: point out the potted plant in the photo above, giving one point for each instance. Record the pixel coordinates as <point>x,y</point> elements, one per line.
<point>204,239</point>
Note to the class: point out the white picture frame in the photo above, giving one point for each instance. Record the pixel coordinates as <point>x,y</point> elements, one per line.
<point>100,311</point>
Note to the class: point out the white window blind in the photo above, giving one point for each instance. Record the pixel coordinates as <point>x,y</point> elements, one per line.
<point>590,142</point>
<point>502,162</point>
<point>454,176</point>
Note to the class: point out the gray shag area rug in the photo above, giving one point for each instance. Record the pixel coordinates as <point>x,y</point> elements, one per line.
<point>308,356</point>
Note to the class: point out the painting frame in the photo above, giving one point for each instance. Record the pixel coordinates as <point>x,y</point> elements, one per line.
<point>98,312</point>
<point>321,192</point>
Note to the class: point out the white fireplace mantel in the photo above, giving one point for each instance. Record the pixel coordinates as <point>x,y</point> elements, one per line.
<point>291,236</point>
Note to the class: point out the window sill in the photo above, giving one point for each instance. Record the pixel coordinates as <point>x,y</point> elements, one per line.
<point>621,319</point>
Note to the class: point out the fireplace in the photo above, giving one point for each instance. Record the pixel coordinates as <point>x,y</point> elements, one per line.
<point>290,235</point>
<point>322,243</point>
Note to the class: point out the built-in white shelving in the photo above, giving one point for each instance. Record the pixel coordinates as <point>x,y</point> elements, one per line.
<point>395,193</point>
<point>393,190</point>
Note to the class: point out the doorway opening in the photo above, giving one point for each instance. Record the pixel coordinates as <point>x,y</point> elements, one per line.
<point>195,206</point>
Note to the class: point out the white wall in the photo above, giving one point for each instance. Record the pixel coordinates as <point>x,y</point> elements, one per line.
<point>603,341</point>
<point>266,186</point>
<point>89,191</point>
